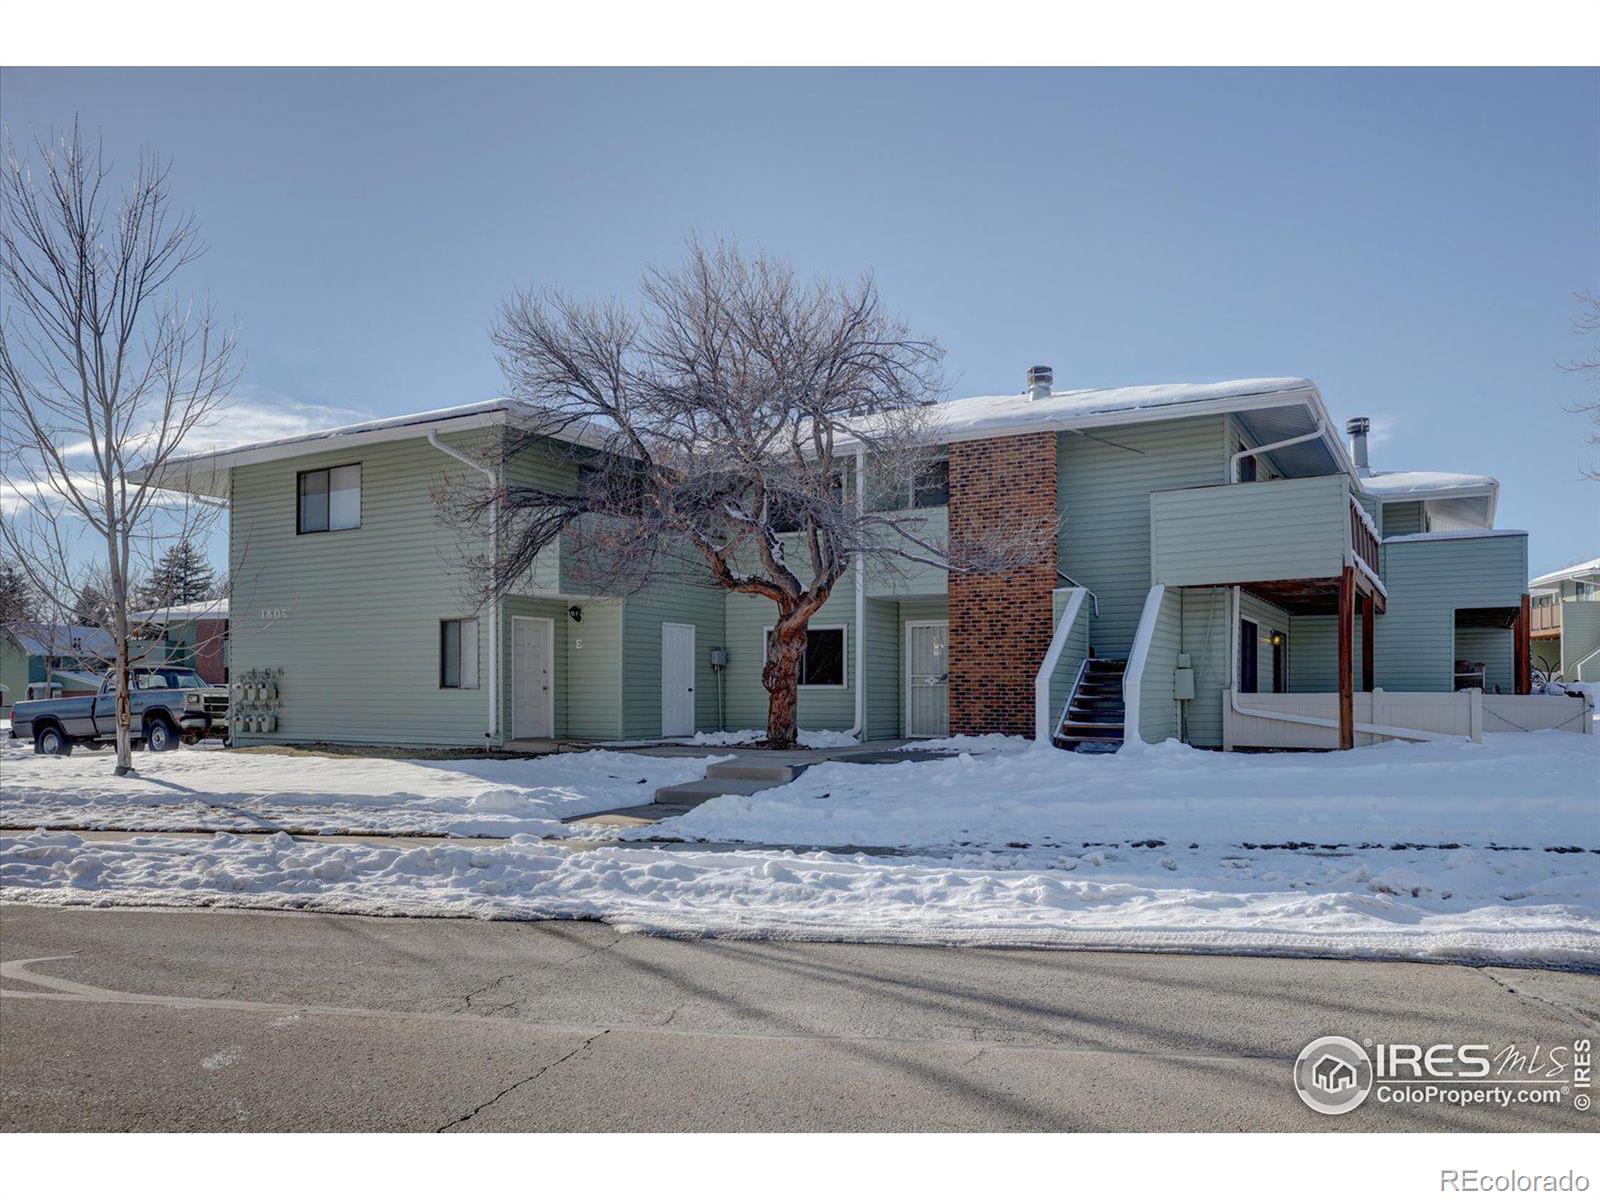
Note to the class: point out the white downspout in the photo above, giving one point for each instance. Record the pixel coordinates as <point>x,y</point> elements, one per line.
<point>494,561</point>
<point>856,730</point>
<point>1233,463</point>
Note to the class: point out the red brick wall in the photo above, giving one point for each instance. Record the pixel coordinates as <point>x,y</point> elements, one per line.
<point>1000,625</point>
<point>210,650</point>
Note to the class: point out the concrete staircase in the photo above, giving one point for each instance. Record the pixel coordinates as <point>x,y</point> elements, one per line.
<point>1093,723</point>
<point>740,776</point>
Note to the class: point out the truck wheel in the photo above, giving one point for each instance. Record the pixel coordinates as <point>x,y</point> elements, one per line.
<point>51,740</point>
<point>160,736</point>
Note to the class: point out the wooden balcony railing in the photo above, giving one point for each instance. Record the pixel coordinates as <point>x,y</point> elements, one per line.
<point>1546,619</point>
<point>1363,536</point>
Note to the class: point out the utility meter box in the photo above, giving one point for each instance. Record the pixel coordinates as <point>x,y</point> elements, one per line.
<point>1183,679</point>
<point>719,658</point>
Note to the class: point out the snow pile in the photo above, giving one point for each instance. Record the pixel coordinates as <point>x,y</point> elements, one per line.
<point>1539,789</point>
<point>811,739</point>
<point>213,789</point>
<point>1510,907</point>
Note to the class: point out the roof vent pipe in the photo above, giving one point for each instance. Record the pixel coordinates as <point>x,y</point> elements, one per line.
<point>1039,381</point>
<point>1357,428</point>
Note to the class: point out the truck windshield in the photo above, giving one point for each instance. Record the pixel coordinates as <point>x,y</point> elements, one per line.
<point>166,678</point>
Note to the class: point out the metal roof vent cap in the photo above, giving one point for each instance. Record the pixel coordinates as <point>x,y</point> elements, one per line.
<point>1039,381</point>
<point>1358,428</point>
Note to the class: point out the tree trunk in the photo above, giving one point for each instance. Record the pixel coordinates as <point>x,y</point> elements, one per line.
<point>119,627</point>
<point>781,677</point>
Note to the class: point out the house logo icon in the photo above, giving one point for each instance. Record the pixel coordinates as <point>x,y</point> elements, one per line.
<point>1333,1075</point>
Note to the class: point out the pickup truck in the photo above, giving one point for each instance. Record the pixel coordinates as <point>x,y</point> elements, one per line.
<point>170,705</point>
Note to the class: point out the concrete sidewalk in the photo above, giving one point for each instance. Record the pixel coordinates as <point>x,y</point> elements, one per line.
<point>190,1020</point>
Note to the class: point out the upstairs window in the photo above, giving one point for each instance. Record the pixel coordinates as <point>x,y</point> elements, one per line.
<point>458,653</point>
<point>329,499</point>
<point>1247,465</point>
<point>931,488</point>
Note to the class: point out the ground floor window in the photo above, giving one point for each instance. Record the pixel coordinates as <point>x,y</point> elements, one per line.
<point>1248,662</point>
<point>458,653</point>
<point>822,661</point>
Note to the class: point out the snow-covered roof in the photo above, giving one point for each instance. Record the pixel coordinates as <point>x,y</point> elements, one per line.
<point>70,641</point>
<point>200,610</point>
<point>1451,535</point>
<point>1426,485</point>
<point>1575,571</point>
<point>207,474</point>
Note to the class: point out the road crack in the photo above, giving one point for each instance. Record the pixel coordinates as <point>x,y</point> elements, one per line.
<point>504,1092</point>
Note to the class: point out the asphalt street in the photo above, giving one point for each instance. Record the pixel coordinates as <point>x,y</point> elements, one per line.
<point>115,1019</point>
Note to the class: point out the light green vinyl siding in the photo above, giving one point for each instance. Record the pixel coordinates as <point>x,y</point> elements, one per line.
<point>1247,532</point>
<point>352,616</point>
<point>13,670</point>
<point>1205,613</point>
<point>681,603</point>
<point>1427,580</point>
<point>895,575</point>
<point>1104,499</point>
<point>883,669</point>
<point>1580,637</point>
<point>820,708</point>
<point>1314,653</point>
<point>587,673</point>
<point>1158,714</point>
<point>1402,518</point>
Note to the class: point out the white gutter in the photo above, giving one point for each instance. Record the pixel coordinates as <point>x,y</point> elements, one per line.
<point>855,730</point>
<point>494,566</point>
<point>1047,668</point>
<point>1233,463</point>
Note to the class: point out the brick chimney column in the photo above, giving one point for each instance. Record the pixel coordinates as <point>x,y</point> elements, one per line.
<point>1000,625</point>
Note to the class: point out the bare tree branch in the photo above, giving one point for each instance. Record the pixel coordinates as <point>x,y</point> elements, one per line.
<point>103,376</point>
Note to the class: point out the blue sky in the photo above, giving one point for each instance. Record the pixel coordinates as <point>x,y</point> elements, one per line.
<point>1410,240</point>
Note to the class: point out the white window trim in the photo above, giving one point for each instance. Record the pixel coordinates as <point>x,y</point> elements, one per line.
<point>477,658</point>
<point>844,630</point>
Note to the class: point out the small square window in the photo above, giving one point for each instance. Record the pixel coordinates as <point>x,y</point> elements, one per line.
<point>458,653</point>
<point>328,499</point>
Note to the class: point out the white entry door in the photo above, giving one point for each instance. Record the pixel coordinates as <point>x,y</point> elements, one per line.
<point>927,678</point>
<point>677,680</point>
<point>532,663</point>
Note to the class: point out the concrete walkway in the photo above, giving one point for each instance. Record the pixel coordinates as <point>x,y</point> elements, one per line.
<point>748,772</point>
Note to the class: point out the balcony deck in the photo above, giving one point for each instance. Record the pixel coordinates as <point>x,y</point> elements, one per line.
<point>1289,541</point>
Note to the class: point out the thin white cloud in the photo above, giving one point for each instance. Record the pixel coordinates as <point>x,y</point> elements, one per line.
<point>1382,430</point>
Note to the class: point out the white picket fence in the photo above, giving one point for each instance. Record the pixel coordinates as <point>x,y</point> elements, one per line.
<point>1310,720</point>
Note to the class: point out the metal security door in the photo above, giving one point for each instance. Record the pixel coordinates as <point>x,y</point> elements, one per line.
<point>927,678</point>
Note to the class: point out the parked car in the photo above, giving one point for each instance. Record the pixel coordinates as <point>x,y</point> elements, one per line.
<point>171,705</point>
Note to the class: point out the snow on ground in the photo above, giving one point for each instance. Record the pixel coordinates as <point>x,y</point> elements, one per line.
<point>1536,789</point>
<point>1440,851</point>
<point>215,789</point>
<point>1274,902</point>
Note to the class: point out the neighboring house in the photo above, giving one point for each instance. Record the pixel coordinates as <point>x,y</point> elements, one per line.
<point>1566,622</point>
<point>71,657</point>
<point>187,635</point>
<point>1218,539</point>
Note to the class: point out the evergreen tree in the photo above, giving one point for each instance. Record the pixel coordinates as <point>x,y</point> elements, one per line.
<point>183,576</point>
<point>93,605</point>
<point>17,599</point>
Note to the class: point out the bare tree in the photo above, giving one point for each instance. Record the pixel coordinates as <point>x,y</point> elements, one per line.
<point>721,434</point>
<point>103,374</point>
<point>1587,325</point>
